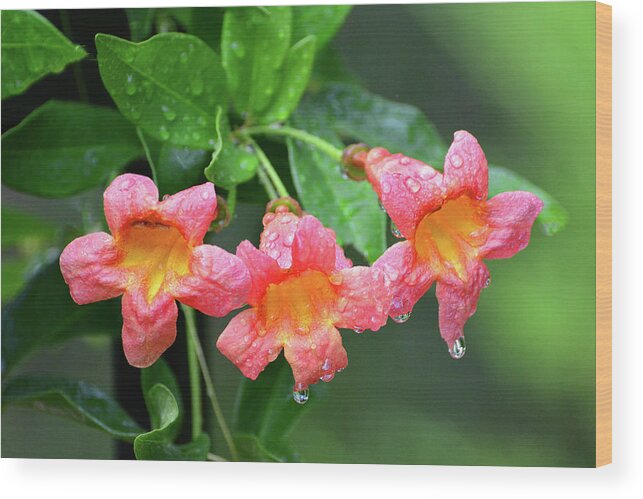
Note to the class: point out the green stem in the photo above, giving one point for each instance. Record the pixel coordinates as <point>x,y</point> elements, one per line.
<point>232,201</point>
<point>76,68</point>
<point>267,185</point>
<point>148,155</point>
<point>193,367</point>
<point>266,165</point>
<point>209,386</point>
<point>294,133</point>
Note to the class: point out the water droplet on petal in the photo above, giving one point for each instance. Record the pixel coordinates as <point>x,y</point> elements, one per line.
<point>336,278</point>
<point>487,282</point>
<point>327,377</point>
<point>402,318</point>
<point>386,187</point>
<point>458,349</point>
<point>412,184</point>
<point>395,231</point>
<point>358,330</point>
<point>456,160</point>
<point>300,394</point>
<point>379,201</point>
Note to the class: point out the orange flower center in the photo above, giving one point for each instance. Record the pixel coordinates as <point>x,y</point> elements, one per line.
<point>298,303</point>
<point>156,253</point>
<point>449,237</point>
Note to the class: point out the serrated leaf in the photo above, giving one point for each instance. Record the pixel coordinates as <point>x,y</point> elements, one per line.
<point>265,413</point>
<point>254,45</point>
<point>63,148</point>
<point>160,373</point>
<point>43,314</point>
<point>231,163</point>
<point>553,217</point>
<point>32,48</point>
<point>295,74</point>
<point>157,444</point>
<point>74,400</point>
<point>171,102</point>
<point>175,168</point>
<point>140,23</point>
<point>323,21</point>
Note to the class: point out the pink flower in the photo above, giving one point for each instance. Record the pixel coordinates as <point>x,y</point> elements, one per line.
<point>154,256</point>
<point>303,289</point>
<point>450,227</point>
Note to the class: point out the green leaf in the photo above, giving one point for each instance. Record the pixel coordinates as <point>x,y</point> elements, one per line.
<point>175,168</point>
<point>32,48</point>
<point>232,162</point>
<point>157,443</point>
<point>295,74</point>
<point>43,314</point>
<point>140,23</point>
<point>171,102</point>
<point>160,373</point>
<point>265,413</point>
<point>254,45</point>
<point>204,22</point>
<point>63,148</point>
<point>74,400</point>
<point>552,219</point>
<point>323,21</point>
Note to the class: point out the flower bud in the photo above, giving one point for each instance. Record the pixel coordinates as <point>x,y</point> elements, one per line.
<point>354,161</point>
<point>284,205</point>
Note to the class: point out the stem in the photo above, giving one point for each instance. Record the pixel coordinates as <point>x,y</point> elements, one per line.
<point>195,380</point>
<point>265,181</point>
<point>232,201</point>
<point>76,68</point>
<point>294,133</point>
<point>148,155</point>
<point>209,386</point>
<point>269,170</point>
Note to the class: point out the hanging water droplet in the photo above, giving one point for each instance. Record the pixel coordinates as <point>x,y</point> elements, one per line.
<point>402,318</point>
<point>300,394</point>
<point>487,282</point>
<point>358,330</point>
<point>395,231</point>
<point>327,377</point>
<point>458,349</point>
<point>379,201</point>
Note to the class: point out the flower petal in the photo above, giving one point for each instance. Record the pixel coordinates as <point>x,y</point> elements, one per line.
<point>510,216</point>
<point>148,328</point>
<point>242,345</point>
<point>408,188</point>
<point>364,299</point>
<point>218,281</point>
<point>129,198</point>
<point>407,277</point>
<point>314,246</point>
<point>278,236</point>
<point>319,353</point>
<point>88,265</point>
<point>263,270</point>
<point>458,300</point>
<point>465,168</point>
<point>191,211</point>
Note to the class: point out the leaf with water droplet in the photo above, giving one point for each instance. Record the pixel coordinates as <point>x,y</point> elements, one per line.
<point>254,45</point>
<point>187,118</point>
<point>79,147</point>
<point>322,21</point>
<point>231,163</point>
<point>294,77</point>
<point>32,48</point>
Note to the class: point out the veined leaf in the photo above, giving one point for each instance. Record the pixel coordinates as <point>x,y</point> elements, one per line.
<point>32,48</point>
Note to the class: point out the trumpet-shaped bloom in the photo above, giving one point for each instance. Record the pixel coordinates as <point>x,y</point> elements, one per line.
<point>303,289</point>
<point>154,256</point>
<point>450,227</point>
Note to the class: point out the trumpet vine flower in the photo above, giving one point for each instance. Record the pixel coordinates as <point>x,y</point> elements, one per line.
<point>303,289</point>
<point>154,256</point>
<point>450,227</point>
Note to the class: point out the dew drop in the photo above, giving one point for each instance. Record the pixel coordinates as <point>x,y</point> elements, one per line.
<point>412,184</point>
<point>456,160</point>
<point>196,87</point>
<point>358,330</point>
<point>404,160</point>
<point>327,377</point>
<point>395,231</point>
<point>300,394</point>
<point>487,282</point>
<point>238,49</point>
<point>164,133</point>
<point>168,113</point>
<point>336,278</point>
<point>402,318</point>
<point>458,349</point>
<point>183,57</point>
<point>379,201</point>
<point>386,187</point>
<point>130,88</point>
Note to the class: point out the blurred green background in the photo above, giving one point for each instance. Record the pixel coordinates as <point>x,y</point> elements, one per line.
<point>521,78</point>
